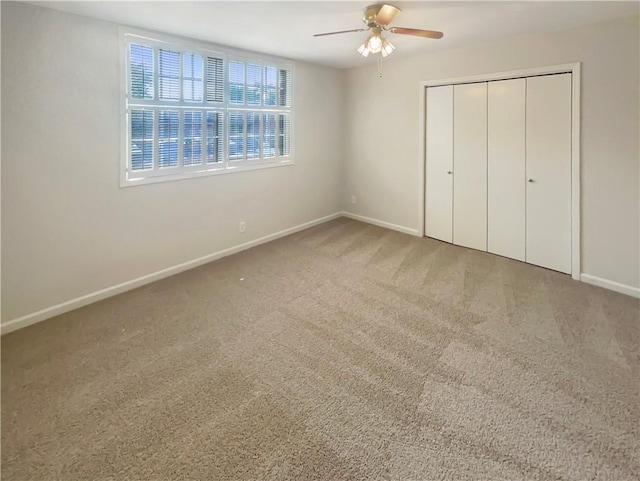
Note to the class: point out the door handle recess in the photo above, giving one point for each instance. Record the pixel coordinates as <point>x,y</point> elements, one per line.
<point>531,181</point>
<point>449,172</point>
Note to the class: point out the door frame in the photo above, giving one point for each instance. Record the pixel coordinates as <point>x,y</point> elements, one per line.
<point>575,70</point>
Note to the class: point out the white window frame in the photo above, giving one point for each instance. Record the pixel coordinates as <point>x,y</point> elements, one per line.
<point>130,177</point>
<point>261,109</point>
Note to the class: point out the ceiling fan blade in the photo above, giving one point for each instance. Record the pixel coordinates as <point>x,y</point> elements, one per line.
<point>386,14</point>
<point>341,31</point>
<point>416,32</point>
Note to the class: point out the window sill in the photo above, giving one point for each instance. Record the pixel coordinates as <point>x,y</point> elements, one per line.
<point>243,166</point>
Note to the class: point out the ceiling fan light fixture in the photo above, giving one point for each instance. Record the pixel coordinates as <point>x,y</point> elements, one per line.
<point>363,50</point>
<point>387,47</point>
<point>374,42</point>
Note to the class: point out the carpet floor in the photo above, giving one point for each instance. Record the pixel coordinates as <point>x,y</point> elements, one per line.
<point>342,352</point>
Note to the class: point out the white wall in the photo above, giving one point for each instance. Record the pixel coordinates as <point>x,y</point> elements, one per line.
<point>68,229</point>
<point>382,141</point>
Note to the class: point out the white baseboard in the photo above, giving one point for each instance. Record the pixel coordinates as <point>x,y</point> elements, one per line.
<point>611,285</point>
<point>67,306</point>
<point>58,309</point>
<point>586,278</point>
<point>381,223</point>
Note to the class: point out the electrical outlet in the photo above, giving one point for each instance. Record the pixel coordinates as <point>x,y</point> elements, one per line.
<point>353,199</point>
<point>243,226</point>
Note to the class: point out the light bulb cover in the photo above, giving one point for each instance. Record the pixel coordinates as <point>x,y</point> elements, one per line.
<point>387,47</point>
<point>374,43</point>
<point>363,50</point>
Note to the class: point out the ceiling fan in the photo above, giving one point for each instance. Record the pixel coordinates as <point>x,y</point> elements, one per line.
<point>377,18</point>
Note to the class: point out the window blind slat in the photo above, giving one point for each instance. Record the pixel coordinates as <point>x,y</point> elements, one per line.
<point>284,88</point>
<point>236,82</point>
<point>284,134</point>
<point>215,137</point>
<point>169,75</point>
<point>192,137</point>
<point>141,71</point>
<point>141,139</point>
<point>269,136</point>
<point>270,88</point>
<point>254,84</point>
<point>236,135</point>
<point>215,79</point>
<point>253,135</point>
<point>168,138</point>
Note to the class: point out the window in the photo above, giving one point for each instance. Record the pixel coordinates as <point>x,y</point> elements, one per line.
<point>190,111</point>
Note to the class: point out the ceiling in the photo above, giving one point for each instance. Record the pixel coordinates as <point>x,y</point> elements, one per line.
<point>285,28</point>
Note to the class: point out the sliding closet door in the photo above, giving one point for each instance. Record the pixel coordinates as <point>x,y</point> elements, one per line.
<point>439,164</point>
<point>506,168</point>
<point>548,171</point>
<point>470,165</point>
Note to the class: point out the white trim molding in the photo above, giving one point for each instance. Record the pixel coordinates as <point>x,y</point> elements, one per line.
<point>611,285</point>
<point>96,296</point>
<point>575,70</point>
<point>381,223</point>
<point>67,306</point>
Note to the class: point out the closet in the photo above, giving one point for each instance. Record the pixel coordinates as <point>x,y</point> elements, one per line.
<point>498,167</point>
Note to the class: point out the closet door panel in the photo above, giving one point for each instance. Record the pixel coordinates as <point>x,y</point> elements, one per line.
<point>439,163</point>
<point>548,172</point>
<point>470,165</point>
<point>506,168</point>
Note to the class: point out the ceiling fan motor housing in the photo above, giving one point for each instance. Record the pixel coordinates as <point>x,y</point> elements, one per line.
<point>370,17</point>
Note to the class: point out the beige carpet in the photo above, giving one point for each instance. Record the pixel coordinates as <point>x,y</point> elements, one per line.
<point>345,351</point>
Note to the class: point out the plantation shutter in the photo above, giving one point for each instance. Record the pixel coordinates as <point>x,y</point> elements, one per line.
<point>284,134</point>
<point>284,88</point>
<point>215,137</point>
<point>192,111</point>
<point>141,71</point>
<point>236,82</point>
<point>215,80</point>
<point>168,75</point>
<point>270,91</point>
<point>254,84</point>
<point>236,135</point>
